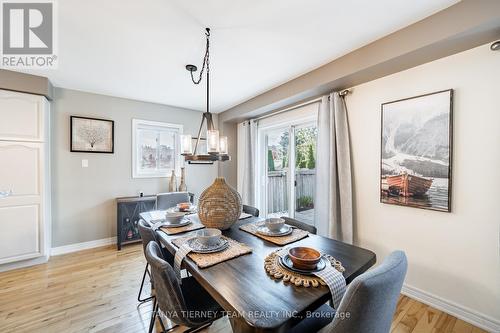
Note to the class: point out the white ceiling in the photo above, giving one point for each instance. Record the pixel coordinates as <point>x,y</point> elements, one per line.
<point>138,49</point>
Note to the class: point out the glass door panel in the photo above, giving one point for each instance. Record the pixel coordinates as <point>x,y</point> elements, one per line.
<point>305,172</point>
<point>287,170</point>
<point>277,172</point>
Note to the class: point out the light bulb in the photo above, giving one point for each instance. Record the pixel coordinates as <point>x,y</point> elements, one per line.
<point>186,145</point>
<point>213,141</point>
<point>223,145</point>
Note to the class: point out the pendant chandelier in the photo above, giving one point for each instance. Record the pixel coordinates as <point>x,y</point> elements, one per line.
<point>217,149</point>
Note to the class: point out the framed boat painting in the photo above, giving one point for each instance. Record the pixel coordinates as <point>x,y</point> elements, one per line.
<point>416,149</point>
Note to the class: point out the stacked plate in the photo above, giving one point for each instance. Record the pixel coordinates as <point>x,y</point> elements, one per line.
<point>198,247</point>
<point>286,262</point>
<point>176,224</point>
<point>283,231</point>
<point>191,210</point>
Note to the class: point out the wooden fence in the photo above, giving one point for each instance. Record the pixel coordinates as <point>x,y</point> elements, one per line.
<point>277,190</point>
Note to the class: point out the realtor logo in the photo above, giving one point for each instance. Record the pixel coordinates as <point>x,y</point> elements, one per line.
<point>28,34</point>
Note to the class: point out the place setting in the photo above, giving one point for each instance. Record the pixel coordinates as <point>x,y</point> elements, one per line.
<point>184,207</point>
<point>307,267</point>
<point>206,248</point>
<point>275,230</point>
<point>176,220</point>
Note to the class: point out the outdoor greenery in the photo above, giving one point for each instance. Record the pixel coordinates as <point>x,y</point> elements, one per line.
<point>270,160</point>
<point>311,161</point>
<point>305,202</point>
<point>305,143</point>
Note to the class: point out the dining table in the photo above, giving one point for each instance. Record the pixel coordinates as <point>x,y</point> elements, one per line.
<point>253,300</point>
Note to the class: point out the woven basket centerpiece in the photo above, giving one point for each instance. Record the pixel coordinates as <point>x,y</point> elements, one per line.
<point>219,205</point>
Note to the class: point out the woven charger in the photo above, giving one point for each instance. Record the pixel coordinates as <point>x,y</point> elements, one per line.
<point>204,260</point>
<point>178,230</point>
<point>275,270</point>
<point>297,234</point>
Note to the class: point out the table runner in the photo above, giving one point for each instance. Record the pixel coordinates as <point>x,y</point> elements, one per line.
<point>297,234</point>
<point>204,260</point>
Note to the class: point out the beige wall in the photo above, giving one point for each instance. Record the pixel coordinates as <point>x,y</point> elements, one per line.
<point>83,199</point>
<point>453,256</point>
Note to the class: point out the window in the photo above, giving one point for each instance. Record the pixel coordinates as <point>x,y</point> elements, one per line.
<point>155,148</point>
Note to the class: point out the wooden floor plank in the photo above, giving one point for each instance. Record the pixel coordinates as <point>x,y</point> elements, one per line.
<point>96,291</point>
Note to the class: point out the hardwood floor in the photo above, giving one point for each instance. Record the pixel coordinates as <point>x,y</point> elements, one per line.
<point>96,291</point>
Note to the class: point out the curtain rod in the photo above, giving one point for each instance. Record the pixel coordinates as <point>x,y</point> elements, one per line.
<point>342,93</point>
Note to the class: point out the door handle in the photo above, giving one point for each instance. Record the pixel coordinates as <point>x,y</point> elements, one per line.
<point>5,194</point>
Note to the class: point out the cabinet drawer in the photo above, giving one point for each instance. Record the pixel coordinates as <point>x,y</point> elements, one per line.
<point>21,116</point>
<point>20,236</point>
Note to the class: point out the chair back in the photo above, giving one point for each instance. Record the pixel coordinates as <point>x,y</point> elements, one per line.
<point>168,291</point>
<point>371,298</point>
<point>170,199</point>
<point>251,210</point>
<point>147,233</point>
<point>301,225</point>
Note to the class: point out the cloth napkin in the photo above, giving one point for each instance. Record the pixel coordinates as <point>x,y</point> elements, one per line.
<point>180,254</point>
<point>157,216</point>
<point>335,282</point>
<point>244,216</point>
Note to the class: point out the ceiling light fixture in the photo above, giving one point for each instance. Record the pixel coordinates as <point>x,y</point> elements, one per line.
<point>495,46</point>
<point>217,147</point>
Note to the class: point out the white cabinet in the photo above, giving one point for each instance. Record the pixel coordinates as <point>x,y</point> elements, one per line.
<point>24,178</point>
<point>25,119</point>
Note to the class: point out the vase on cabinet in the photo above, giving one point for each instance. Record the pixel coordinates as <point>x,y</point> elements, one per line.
<point>172,187</point>
<point>182,185</point>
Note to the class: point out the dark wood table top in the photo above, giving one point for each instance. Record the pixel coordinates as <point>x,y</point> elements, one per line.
<point>241,285</point>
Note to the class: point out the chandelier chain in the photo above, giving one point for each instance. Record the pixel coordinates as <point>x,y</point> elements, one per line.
<point>206,61</point>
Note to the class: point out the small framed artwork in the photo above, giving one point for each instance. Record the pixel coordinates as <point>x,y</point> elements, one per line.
<point>92,135</point>
<point>416,147</point>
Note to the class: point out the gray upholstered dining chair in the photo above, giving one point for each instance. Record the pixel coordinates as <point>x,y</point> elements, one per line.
<point>187,304</point>
<point>251,210</point>
<point>148,235</point>
<point>370,300</point>
<point>301,225</point>
<point>170,199</point>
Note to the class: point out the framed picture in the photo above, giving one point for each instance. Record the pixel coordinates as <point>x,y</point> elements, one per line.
<point>91,135</point>
<point>416,149</point>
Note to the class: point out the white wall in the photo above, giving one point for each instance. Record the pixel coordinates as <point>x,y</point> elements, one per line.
<point>83,199</point>
<point>453,256</point>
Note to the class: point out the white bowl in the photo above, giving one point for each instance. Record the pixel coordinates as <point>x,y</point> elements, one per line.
<point>274,224</point>
<point>209,236</point>
<point>174,217</point>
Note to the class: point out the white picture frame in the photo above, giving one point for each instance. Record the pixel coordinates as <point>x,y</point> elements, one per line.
<point>147,128</point>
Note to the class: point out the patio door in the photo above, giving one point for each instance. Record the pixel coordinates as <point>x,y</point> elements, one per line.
<point>288,170</point>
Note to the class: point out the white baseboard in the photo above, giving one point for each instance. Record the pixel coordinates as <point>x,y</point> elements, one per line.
<point>466,314</point>
<point>24,263</point>
<point>82,246</point>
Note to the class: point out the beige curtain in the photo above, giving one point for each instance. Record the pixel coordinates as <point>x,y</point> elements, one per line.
<point>333,201</point>
<point>249,167</point>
